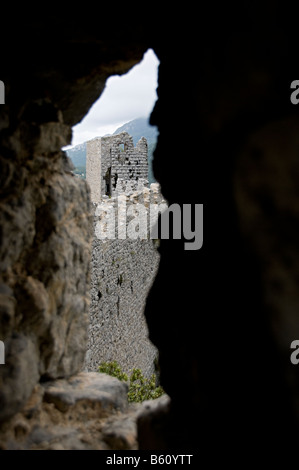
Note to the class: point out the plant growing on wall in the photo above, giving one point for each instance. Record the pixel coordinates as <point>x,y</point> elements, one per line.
<point>113,369</point>
<point>140,388</point>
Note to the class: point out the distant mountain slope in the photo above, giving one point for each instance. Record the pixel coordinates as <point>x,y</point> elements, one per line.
<point>137,128</point>
<point>78,155</point>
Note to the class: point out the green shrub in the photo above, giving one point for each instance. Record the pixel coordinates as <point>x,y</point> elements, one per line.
<point>113,369</point>
<point>140,388</point>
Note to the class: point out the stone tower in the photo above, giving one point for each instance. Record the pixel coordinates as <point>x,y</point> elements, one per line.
<point>114,161</point>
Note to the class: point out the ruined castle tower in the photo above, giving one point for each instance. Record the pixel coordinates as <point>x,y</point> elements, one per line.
<point>122,271</point>
<point>112,162</point>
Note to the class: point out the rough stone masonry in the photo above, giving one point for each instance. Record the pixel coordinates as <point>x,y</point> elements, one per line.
<point>113,158</point>
<point>122,270</point>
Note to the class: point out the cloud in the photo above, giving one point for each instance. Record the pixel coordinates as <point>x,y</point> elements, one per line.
<point>124,98</point>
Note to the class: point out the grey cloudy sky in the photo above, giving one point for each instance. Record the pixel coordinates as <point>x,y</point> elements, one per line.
<point>124,98</point>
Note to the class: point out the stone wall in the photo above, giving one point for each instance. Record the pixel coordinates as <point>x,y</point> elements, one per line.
<point>123,271</point>
<point>94,168</point>
<point>122,274</point>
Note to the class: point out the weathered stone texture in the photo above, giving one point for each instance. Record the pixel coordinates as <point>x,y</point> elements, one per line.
<point>123,271</point>
<point>122,274</point>
<point>45,234</point>
<point>78,413</point>
<point>87,393</point>
<point>112,159</point>
<point>88,411</point>
<point>94,168</point>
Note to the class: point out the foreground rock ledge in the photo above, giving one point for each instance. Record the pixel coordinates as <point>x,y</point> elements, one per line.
<point>88,393</point>
<point>88,411</point>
